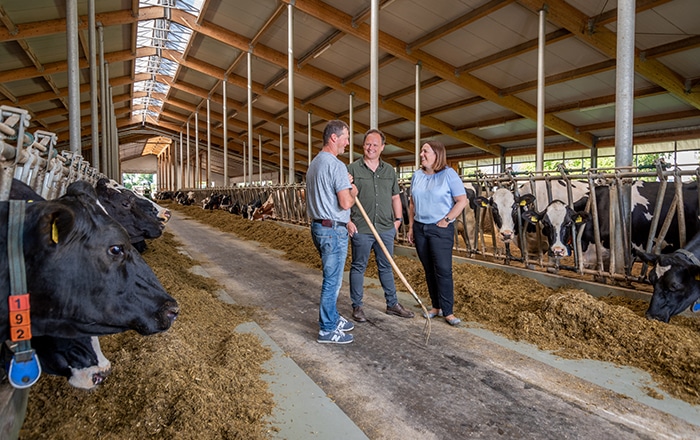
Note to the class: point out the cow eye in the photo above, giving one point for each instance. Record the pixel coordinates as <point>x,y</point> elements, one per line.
<point>116,250</point>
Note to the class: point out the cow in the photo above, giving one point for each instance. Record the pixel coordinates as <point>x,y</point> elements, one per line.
<point>125,209</point>
<point>80,360</point>
<point>642,204</point>
<point>502,204</point>
<point>264,211</point>
<point>146,204</point>
<point>212,202</point>
<point>557,221</point>
<point>547,191</point>
<point>185,199</point>
<point>506,209</point>
<point>676,280</point>
<point>83,276</point>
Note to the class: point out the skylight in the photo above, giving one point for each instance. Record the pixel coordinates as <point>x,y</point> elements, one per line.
<point>160,33</point>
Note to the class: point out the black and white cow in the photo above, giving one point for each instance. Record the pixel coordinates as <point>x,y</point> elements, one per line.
<point>135,215</point>
<point>642,203</point>
<point>83,276</point>
<point>506,209</point>
<point>80,360</point>
<point>676,280</point>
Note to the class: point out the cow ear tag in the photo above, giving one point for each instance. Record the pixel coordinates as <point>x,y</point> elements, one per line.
<point>54,232</point>
<point>483,204</point>
<point>579,219</point>
<point>697,277</point>
<point>25,373</point>
<point>533,219</point>
<point>523,202</point>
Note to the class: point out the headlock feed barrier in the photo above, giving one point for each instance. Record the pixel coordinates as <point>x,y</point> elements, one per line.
<point>670,208</point>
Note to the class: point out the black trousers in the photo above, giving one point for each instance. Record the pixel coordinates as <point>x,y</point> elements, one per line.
<point>434,248</point>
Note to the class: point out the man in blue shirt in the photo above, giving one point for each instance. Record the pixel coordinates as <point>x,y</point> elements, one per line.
<point>329,196</point>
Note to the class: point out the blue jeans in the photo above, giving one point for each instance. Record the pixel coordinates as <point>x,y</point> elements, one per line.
<point>434,249</point>
<point>332,245</point>
<point>362,245</point>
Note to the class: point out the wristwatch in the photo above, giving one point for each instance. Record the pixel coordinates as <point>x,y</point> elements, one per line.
<point>449,220</point>
<point>398,219</point>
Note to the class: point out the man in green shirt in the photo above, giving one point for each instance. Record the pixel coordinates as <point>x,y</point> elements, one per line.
<point>379,194</point>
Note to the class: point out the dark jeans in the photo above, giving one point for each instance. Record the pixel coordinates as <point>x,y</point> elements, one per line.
<point>362,245</point>
<point>434,248</point>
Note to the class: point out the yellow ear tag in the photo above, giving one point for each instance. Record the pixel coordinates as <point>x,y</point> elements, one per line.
<point>54,232</point>
<point>533,219</point>
<point>523,202</point>
<point>697,277</point>
<point>579,219</point>
<point>484,204</point>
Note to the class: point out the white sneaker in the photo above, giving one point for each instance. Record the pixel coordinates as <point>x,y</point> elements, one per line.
<point>334,337</point>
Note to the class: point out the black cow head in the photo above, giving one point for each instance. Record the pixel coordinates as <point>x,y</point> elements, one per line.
<point>558,222</point>
<point>676,280</point>
<point>83,276</point>
<point>125,208</point>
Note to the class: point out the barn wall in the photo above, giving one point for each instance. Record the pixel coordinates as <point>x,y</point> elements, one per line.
<point>141,165</point>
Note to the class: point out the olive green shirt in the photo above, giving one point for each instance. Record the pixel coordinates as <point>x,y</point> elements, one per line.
<point>375,192</point>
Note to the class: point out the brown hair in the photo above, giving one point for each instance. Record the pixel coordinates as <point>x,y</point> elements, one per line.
<point>374,130</point>
<point>440,155</point>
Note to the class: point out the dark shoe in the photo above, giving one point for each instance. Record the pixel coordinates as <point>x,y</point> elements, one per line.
<point>398,310</point>
<point>358,314</point>
<point>344,325</point>
<point>334,337</point>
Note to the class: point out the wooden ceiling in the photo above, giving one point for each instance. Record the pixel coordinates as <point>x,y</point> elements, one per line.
<point>477,58</point>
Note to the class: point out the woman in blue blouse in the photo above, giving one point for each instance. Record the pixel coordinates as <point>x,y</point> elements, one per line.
<point>437,198</point>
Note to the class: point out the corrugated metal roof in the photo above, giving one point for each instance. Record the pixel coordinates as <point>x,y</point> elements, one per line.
<point>478,58</point>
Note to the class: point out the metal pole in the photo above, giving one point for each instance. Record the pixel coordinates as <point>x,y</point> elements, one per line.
<point>103,98</point>
<point>290,90</point>
<point>309,141</point>
<point>116,164</point>
<point>73,75</point>
<point>225,143</point>
<point>181,174</point>
<point>351,124</point>
<point>245,175</point>
<point>624,112</point>
<point>188,170</point>
<point>250,115</point>
<point>94,91</point>
<point>418,144</point>
<point>208,144</point>
<point>374,67</point>
<point>197,170</point>
<point>539,158</point>
<point>282,156</point>
<point>260,158</point>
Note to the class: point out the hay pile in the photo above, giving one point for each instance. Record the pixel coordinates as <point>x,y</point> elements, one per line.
<point>568,322</point>
<point>200,379</point>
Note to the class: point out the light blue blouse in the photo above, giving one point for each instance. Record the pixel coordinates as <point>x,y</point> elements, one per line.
<point>433,194</point>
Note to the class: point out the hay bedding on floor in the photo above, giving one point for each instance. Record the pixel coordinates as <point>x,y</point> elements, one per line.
<point>568,322</point>
<point>198,380</point>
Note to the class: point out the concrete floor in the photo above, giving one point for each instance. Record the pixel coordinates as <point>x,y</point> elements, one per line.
<point>388,384</point>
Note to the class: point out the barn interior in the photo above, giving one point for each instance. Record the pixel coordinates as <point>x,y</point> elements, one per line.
<point>199,92</point>
<point>467,70</point>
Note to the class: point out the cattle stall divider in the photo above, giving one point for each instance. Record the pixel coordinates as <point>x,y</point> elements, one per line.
<point>600,188</point>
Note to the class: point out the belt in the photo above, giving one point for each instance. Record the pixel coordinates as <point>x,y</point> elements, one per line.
<point>330,223</point>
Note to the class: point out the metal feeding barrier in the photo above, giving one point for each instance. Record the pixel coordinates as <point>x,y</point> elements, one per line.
<point>476,237</point>
<point>33,158</point>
